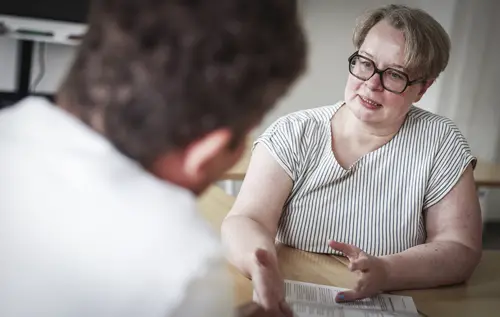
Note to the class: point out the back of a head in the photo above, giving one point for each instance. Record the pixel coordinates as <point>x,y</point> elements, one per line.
<point>427,45</point>
<point>155,75</point>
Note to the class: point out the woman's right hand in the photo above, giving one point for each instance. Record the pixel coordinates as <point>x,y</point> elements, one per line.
<point>268,284</point>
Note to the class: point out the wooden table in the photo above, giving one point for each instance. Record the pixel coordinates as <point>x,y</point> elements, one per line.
<point>214,205</point>
<point>239,170</point>
<point>487,174</point>
<point>480,296</point>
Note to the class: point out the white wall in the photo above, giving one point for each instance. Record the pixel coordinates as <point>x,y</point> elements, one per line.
<point>483,121</point>
<point>8,51</point>
<point>468,93</point>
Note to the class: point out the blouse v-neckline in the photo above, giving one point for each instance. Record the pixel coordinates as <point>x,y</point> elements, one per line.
<point>360,160</point>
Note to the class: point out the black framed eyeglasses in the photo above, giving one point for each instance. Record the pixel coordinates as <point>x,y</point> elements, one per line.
<point>392,79</point>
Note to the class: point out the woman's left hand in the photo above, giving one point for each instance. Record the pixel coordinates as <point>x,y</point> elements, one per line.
<point>372,272</point>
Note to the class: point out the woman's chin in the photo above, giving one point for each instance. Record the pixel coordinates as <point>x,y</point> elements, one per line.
<point>365,115</point>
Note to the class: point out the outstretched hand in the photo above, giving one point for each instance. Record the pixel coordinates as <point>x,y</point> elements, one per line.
<point>269,285</point>
<point>372,272</point>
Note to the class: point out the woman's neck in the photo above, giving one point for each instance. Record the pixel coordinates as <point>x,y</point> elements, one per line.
<point>363,133</point>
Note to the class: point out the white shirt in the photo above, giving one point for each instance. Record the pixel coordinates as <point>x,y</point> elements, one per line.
<point>85,231</point>
<point>378,203</point>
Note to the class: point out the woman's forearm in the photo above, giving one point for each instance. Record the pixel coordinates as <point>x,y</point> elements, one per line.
<point>242,236</point>
<point>430,265</point>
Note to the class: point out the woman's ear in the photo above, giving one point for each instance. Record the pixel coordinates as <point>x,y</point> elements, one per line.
<point>424,88</point>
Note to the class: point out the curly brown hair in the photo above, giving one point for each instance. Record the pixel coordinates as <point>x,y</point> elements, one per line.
<point>156,75</point>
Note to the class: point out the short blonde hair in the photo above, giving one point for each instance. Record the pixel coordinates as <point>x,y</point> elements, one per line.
<point>427,45</point>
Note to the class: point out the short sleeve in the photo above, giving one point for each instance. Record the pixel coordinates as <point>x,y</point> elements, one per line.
<point>452,158</point>
<point>282,140</point>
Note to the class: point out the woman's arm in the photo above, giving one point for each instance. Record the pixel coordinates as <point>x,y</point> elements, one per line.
<point>449,256</point>
<point>453,247</point>
<point>253,221</point>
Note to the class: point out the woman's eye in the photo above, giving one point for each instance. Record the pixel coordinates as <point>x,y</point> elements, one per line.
<point>396,76</point>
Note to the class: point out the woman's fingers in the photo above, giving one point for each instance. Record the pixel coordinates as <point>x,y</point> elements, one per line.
<point>350,251</point>
<point>361,264</point>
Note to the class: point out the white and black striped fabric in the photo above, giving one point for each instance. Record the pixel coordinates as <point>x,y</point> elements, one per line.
<point>378,203</point>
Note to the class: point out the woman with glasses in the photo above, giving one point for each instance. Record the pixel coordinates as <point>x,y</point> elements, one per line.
<point>372,177</point>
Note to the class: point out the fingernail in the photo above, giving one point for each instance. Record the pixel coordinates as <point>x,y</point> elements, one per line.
<point>340,296</point>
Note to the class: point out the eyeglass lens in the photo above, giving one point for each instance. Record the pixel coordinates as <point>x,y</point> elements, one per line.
<point>364,68</point>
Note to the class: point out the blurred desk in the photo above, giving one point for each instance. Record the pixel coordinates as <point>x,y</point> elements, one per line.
<point>480,296</point>
<point>214,205</point>
<point>239,170</point>
<point>487,174</point>
<point>237,173</point>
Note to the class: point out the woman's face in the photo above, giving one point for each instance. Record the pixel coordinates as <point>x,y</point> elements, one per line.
<point>368,100</point>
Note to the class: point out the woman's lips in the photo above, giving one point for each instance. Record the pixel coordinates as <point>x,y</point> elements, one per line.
<point>369,103</point>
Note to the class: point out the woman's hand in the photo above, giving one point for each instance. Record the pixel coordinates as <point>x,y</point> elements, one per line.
<point>372,272</point>
<point>268,284</point>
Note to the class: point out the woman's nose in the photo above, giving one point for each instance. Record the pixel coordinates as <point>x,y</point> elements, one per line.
<point>374,82</point>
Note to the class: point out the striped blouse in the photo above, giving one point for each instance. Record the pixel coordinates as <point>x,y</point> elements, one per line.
<point>377,204</point>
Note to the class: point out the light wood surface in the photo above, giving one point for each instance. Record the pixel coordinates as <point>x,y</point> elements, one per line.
<point>480,296</point>
<point>214,204</point>
<point>486,174</point>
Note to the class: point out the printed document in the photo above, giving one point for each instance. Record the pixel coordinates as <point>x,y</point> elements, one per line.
<point>314,300</point>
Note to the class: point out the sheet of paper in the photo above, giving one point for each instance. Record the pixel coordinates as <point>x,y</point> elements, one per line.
<point>313,300</point>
